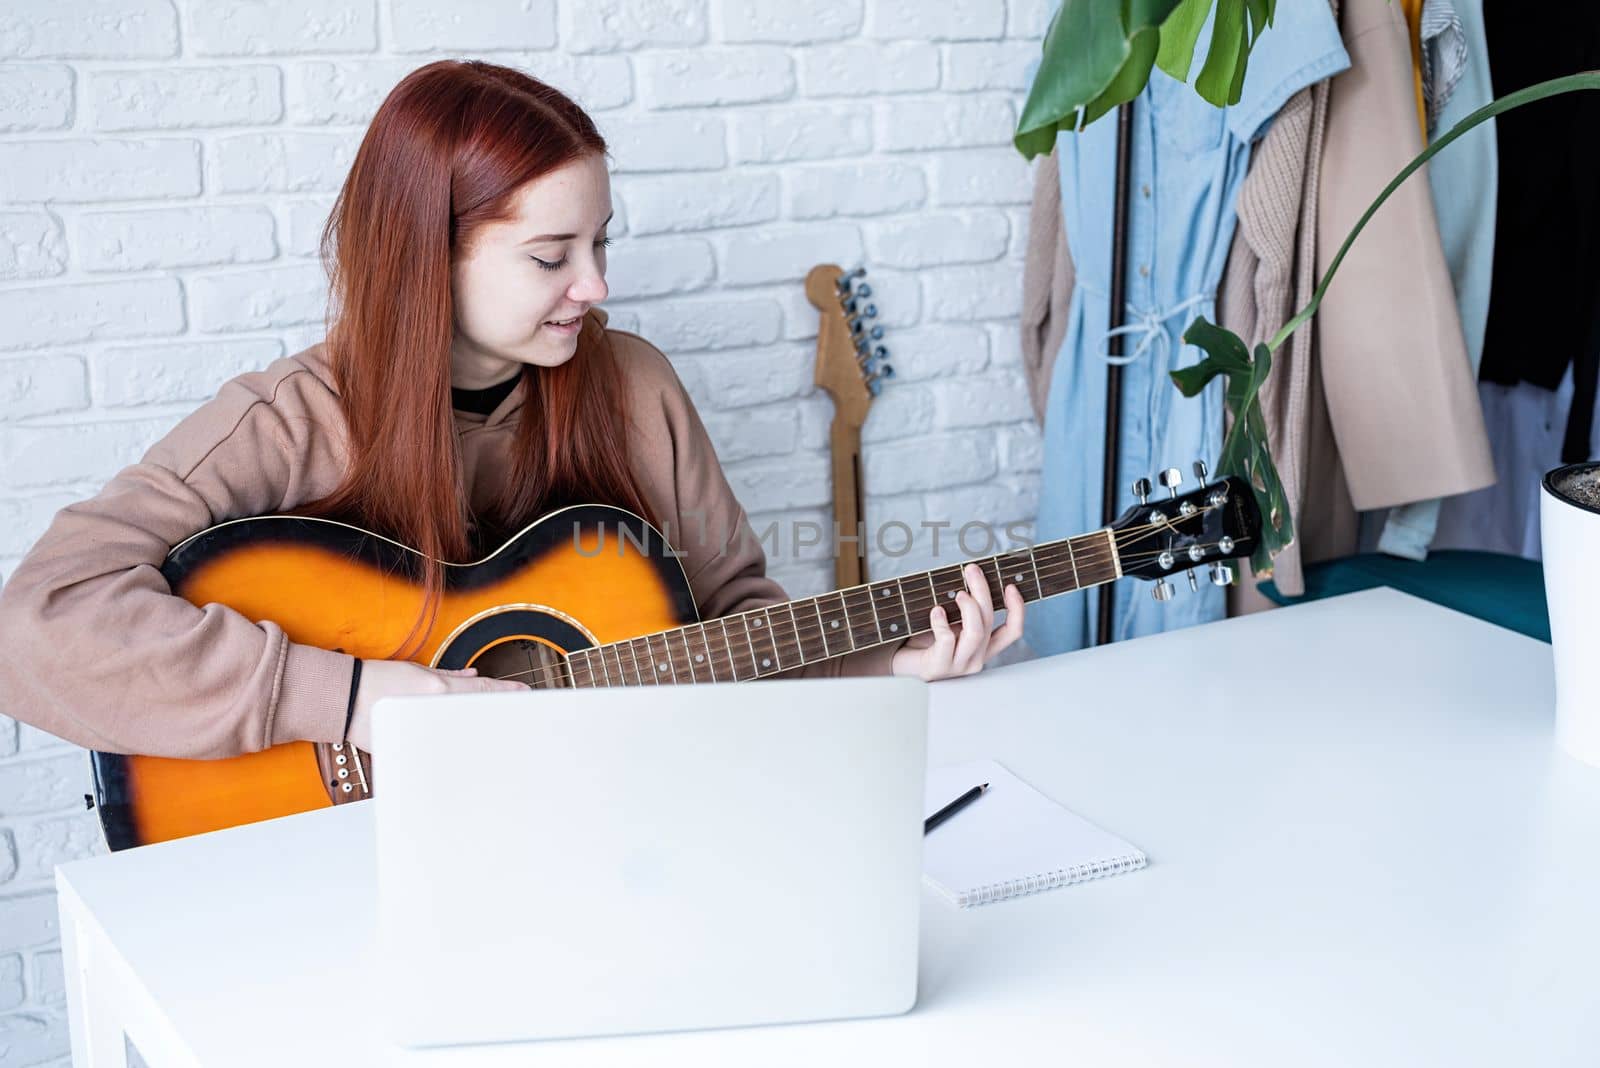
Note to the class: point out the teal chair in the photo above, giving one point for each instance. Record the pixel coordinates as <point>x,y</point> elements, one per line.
<point>1507,590</point>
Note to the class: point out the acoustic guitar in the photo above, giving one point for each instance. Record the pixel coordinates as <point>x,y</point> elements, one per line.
<point>588,595</point>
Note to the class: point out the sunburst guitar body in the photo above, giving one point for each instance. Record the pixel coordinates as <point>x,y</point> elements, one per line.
<point>578,578</point>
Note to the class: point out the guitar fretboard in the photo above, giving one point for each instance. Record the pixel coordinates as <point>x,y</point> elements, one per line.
<point>765,641</point>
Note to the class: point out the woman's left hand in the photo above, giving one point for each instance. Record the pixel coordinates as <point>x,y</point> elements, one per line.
<point>944,652</point>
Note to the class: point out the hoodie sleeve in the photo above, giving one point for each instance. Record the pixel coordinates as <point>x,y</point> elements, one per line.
<point>100,652</point>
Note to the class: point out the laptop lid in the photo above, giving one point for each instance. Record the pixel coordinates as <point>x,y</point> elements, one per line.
<point>604,861</point>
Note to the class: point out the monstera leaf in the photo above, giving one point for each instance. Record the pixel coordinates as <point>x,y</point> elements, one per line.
<point>1099,54</point>
<point>1244,449</point>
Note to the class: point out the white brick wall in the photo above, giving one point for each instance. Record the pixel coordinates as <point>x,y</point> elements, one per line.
<point>166,167</point>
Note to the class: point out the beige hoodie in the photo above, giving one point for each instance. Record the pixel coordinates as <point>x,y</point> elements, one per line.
<point>99,651</point>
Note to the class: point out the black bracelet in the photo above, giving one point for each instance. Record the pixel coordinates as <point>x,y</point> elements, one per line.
<point>349,713</point>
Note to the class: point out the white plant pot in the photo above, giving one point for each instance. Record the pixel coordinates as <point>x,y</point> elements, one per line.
<point>1569,518</point>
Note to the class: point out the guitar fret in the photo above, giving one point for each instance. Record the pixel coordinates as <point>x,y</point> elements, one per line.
<point>997,585</point>
<point>864,622</point>
<point>911,621</point>
<point>710,655</point>
<point>822,627</point>
<point>799,643</point>
<point>1072,558</point>
<point>756,627</point>
<point>603,665</point>
<point>836,625</point>
<point>789,641</point>
<point>633,651</point>
<point>894,622</point>
<point>657,664</point>
<point>679,657</point>
<point>1033,561</point>
<point>952,613</point>
<point>849,632</point>
<point>718,655</point>
<point>777,652</point>
<point>877,623</point>
<point>727,642</point>
<point>749,641</point>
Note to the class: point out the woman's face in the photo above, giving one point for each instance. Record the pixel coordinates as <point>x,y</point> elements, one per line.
<point>517,278</point>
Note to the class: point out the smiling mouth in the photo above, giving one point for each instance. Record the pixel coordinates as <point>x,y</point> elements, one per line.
<point>562,322</point>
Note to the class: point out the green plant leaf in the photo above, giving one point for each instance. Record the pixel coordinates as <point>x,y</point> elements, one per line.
<point>1130,80</point>
<point>1245,450</point>
<point>1221,80</point>
<point>1178,36</point>
<point>1097,54</point>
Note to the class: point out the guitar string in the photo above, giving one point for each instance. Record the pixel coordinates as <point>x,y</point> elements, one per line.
<point>734,660</point>
<point>802,641</point>
<point>804,636</point>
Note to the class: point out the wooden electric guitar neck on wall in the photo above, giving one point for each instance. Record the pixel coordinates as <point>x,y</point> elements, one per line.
<point>851,366</point>
<point>588,595</point>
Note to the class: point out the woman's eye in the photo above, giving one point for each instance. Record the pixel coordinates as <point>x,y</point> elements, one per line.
<point>604,242</point>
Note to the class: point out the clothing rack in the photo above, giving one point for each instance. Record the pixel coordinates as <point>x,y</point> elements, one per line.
<point>1119,264</point>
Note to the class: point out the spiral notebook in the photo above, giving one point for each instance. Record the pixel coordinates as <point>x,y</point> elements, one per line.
<point>1013,840</point>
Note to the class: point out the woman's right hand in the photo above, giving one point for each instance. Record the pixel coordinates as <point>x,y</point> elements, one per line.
<point>400,678</point>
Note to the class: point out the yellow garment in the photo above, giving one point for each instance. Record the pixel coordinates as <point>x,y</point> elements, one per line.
<point>1413,10</point>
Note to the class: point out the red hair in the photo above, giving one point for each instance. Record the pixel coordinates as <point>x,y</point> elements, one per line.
<point>445,153</point>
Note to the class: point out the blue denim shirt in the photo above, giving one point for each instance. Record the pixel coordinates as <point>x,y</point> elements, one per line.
<point>1188,160</point>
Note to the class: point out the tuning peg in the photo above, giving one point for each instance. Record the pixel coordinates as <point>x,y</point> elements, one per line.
<point>863,290</point>
<point>1225,543</point>
<point>1200,471</point>
<point>1162,590</point>
<point>1194,583</point>
<point>1172,478</point>
<point>1221,574</point>
<point>1141,490</point>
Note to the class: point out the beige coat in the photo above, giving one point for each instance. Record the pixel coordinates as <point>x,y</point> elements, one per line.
<point>1374,403</point>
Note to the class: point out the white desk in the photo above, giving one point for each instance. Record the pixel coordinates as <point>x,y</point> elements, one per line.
<point>1365,849</point>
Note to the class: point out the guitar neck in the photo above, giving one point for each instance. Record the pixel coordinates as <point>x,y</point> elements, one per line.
<point>765,641</point>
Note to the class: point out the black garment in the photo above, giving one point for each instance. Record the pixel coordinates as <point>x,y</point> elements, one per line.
<point>483,401</point>
<point>1547,228</point>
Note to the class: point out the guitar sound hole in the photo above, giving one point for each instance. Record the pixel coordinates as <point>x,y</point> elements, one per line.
<point>534,663</point>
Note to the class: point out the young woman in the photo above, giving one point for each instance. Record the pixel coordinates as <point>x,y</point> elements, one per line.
<point>468,384</point>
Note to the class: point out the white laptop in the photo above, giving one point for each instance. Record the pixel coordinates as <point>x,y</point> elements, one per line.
<point>561,863</point>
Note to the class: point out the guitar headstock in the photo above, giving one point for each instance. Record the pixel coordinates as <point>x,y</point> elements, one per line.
<point>851,364</point>
<point>1205,526</point>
